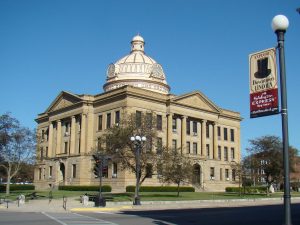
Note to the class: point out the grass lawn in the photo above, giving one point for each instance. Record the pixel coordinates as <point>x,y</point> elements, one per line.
<point>150,196</point>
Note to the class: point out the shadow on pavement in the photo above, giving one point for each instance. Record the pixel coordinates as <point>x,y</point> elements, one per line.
<point>249,215</point>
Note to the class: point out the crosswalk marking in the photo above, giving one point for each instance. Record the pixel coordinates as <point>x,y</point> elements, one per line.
<point>76,219</point>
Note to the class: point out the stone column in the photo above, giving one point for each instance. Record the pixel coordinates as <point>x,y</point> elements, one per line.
<point>183,134</point>
<point>73,135</point>
<point>203,137</point>
<point>58,137</point>
<point>51,151</point>
<point>169,130</point>
<point>83,133</point>
<point>215,140</point>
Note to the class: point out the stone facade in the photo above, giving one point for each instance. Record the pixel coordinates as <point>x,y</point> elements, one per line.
<point>70,127</point>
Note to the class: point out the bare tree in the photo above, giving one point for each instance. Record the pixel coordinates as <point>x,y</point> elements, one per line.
<point>174,167</point>
<point>267,158</point>
<point>116,143</point>
<point>17,146</point>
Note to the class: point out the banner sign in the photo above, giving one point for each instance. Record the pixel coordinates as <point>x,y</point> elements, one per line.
<point>263,83</point>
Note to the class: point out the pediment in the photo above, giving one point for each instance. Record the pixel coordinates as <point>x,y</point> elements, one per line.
<point>196,100</point>
<point>63,100</point>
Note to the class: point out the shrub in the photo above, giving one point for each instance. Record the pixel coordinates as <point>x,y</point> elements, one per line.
<point>248,190</point>
<point>17,187</point>
<point>105,188</point>
<point>131,188</point>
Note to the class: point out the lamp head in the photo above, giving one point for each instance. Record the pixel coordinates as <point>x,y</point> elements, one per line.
<point>280,23</point>
<point>138,138</point>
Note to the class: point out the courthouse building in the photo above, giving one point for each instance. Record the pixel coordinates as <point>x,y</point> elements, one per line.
<point>70,127</point>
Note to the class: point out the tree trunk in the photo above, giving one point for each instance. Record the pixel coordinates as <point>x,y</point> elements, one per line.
<point>8,184</point>
<point>178,184</point>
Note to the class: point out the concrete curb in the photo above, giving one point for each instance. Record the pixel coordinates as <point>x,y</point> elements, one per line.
<point>100,209</point>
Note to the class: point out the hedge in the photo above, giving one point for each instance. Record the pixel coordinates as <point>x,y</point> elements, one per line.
<point>131,188</point>
<point>105,188</point>
<point>17,187</point>
<point>248,190</point>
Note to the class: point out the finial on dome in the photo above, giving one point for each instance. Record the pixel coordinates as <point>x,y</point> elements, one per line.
<point>137,43</point>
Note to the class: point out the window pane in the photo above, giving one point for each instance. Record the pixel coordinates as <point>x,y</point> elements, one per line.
<point>159,122</point>
<point>108,120</point>
<point>195,127</point>
<point>188,126</point>
<point>117,118</point>
<point>195,148</point>
<point>232,135</point>
<point>138,118</point>
<point>225,134</point>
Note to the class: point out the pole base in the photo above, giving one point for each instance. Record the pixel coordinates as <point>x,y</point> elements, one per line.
<point>100,201</point>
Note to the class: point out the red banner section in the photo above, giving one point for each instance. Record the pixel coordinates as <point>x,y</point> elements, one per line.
<point>264,103</point>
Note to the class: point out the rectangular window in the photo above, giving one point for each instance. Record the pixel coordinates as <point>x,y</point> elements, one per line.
<point>227,174</point>
<point>232,135</point>
<point>212,173</point>
<point>114,170</point>
<point>42,153</point>
<point>40,173</point>
<point>74,171</point>
<point>149,120</point>
<point>207,150</point>
<point>105,171</point>
<point>195,127</point>
<point>149,144</point>
<point>67,127</point>
<point>159,146</point>
<point>219,133</point>
<point>50,171</point>
<point>188,127</point>
<point>117,118</point>
<point>99,143</point>
<point>138,118</point>
<point>100,118</point>
<point>233,174</point>
<point>66,147</point>
<point>47,152</point>
<point>221,174</point>
<point>219,152</point>
<point>232,154</point>
<point>174,145</point>
<point>225,154</point>
<point>188,147</point>
<point>174,124</point>
<point>159,122</point>
<point>108,120</point>
<point>207,131</point>
<point>225,134</point>
<point>195,148</point>
<point>149,170</point>
<point>43,135</point>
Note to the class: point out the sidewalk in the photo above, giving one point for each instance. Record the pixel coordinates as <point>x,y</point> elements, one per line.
<point>73,205</point>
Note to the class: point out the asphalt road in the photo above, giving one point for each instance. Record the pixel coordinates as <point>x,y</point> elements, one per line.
<point>271,214</point>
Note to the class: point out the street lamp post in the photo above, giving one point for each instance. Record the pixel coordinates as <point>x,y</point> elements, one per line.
<point>279,25</point>
<point>137,141</point>
<point>100,160</point>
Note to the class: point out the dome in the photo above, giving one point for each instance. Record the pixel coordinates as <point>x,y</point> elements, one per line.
<point>137,69</point>
<point>138,38</point>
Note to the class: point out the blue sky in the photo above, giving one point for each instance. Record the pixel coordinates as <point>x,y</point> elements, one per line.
<point>50,46</point>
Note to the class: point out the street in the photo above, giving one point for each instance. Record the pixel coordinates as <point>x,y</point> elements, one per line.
<point>271,214</point>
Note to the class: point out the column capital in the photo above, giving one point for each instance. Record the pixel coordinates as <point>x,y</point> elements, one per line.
<point>183,117</point>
